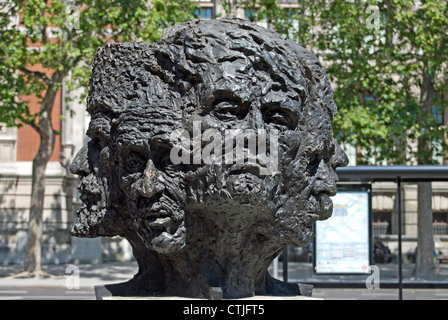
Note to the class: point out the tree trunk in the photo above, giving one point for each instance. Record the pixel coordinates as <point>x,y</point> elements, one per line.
<point>33,256</point>
<point>424,266</point>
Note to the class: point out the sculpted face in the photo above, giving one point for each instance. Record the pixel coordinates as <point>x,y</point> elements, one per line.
<point>227,80</point>
<point>96,215</point>
<point>286,203</point>
<point>149,191</point>
<point>252,83</point>
<point>125,185</point>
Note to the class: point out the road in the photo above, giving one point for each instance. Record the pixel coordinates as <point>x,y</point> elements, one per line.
<point>88,276</point>
<point>45,293</point>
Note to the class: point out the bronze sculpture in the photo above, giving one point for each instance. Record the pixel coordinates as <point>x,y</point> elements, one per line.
<point>197,221</point>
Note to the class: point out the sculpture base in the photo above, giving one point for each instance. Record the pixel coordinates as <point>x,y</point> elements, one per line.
<point>120,292</point>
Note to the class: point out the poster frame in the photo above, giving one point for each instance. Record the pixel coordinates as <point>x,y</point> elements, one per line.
<point>352,188</point>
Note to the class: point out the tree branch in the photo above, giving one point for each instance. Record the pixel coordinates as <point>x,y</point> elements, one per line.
<point>34,125</point>
<point>36,74</point>
<point>30,120</point>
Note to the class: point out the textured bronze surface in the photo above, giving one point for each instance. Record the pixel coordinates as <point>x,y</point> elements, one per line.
<point>195,226</point>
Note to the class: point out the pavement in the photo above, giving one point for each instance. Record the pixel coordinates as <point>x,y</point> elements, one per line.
<point>67,281</point>
<point>76,282</point>
<point>381,283</point>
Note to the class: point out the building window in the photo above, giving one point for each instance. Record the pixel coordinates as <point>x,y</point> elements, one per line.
<point>381,223</point>
<point>440,223</point>
<point>204,13</point>
<point>8,138</point>
<point>250,14</point>
<point>438,109</point>
<point>350,151</point>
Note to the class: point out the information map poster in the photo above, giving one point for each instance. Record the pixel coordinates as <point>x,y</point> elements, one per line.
<point>342,243</point>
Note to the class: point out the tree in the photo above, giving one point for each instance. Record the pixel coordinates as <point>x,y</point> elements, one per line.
<point>266,12</point>
<point>388,61</point>
<point>428,43</point>
<point>57,39</point>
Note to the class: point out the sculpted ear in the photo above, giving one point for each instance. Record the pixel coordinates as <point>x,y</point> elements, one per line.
<point>152,183</point>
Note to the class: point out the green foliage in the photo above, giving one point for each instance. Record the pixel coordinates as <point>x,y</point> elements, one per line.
<point>377,60</point>
<point>269,13</point>
<point>62,37</point>
<point>379,56</point>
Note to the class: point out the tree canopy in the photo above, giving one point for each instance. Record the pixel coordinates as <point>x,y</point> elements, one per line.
<point>59,39</point>
<point>42,44</point>
<point>388,62</point>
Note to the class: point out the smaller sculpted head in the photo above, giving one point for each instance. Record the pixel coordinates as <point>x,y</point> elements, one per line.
<point>210,151</point>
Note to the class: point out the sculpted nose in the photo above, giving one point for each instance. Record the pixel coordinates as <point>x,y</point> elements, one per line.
<point>339,159</point>
<point>326,174</point>
<point>325,180</point>
<point>80,164</point>
<point>255,119</point>
<point>151,184</point>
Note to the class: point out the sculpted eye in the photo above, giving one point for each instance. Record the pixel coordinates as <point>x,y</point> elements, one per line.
<point>135,162</point>
<point>230,110</point>
<point>277,116</point>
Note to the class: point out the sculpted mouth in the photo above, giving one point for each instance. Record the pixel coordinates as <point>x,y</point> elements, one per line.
<point>247,168</point>
<point>159,220</point>
<point>241,168</point>
<point>87,218</point>
<point>157,217</point>
<point>319,203</point>
<point>161,229</point>
<point>320,208</point>
<point>91,202</point>
<point>310,220</point>
<point>326,207</point>
<point>89,198</point>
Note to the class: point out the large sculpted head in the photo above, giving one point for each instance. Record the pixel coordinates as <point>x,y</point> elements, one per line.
<point>222,79</point>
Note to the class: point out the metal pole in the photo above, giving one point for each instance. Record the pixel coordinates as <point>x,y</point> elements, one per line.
<point>214,9</point>
<point>275,267</point>
<point>400,262</point>
<point>285,264</point>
